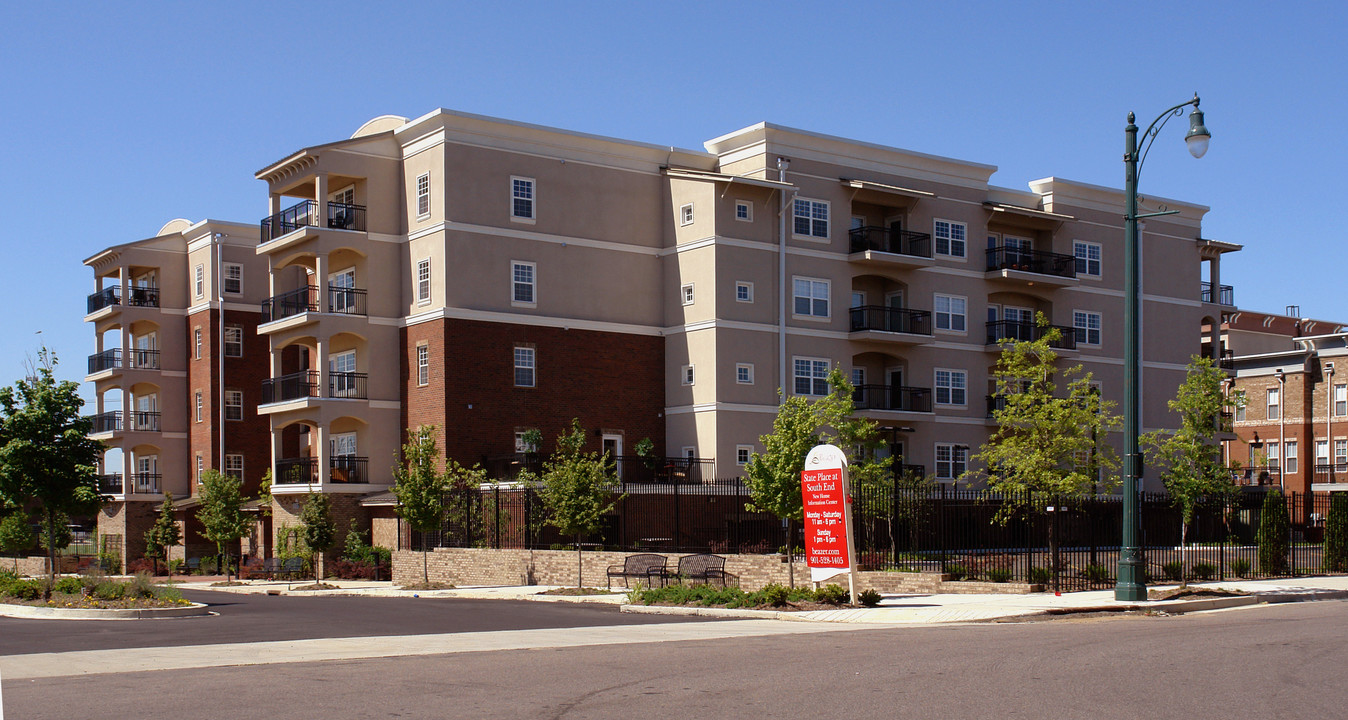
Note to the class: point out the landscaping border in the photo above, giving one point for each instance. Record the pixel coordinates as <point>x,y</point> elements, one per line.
<point>42,612</point>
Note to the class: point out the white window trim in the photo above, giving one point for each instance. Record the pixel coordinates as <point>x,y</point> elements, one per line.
<point>199,401</point>
<point>227,464</point>
<point>947,331</point>
<point>685,214</point>
<point>225,280</point>
<point>230,394</point>
<point>1340,398</point>
<point>749,214</point>
<point>533,284</point>
<point>688,375</point>
<point>427,213</point>
<point>828,365</point>
<point>225,341</point>
<point>744,366</point>
<point>748,454</point>
<point>533,201</point>
<point>199,281</point>
<point>936,387</point>
<point>1100,248</point>
<point>423,354</point>
<point>828,223</point>
<point>1101,330</point>
<point>689,451</point>
<point>687,294</point>
<point>828,298</point>
<point>956,258</point>
<point>936,464</point>
<point>430,282</point>
<point>516,367</point>
<point>201,467</point>
<point>1268,405</point>
<point>1289,456</point>
<point>196,343</point>
<point>747,285</point>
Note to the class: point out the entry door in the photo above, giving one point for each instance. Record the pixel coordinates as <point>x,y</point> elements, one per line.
<point>613,447</point>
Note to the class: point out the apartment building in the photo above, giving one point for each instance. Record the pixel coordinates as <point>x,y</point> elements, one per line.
<point>491,277</point>
<point>1292,432</point>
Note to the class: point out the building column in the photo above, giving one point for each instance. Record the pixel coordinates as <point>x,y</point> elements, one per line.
<point>127,466</point>
<point>321,198</point>
<point>321,360</point>
<point>126,408</point>
<point>321,280</point>
<point>324,452</point>
<point>1215,272</point>
<point>275,450</point>
<point>273,204</point>
<point>123,280</point>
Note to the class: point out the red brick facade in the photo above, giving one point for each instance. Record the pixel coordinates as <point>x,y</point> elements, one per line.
<point>251,436</point>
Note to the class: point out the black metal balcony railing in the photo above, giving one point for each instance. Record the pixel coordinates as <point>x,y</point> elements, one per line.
<point>995,403</point>
<point>892,397</point>
<point>346,301</point>
<point>139,297</point>
<point>290,303</point>
<point>1026,331</point>
<point>110,484</point>
<point>290,387</point>
<point>341,216</point>
<point>143,359</point>
<point>1332,470</point>
<point>1226,360</point>
<point>147,483</point>
<point>297,471</point>
<point>1035,261</point>
<point>887,319</point>
<point>348,469</point>
<point>898,242</point>
<point>106,360</point>
<point>104,298</point>
<point>144,421</point>
<point>107,422</point>
<point>1255,475</point>
<point>347,385</point>
<point>143,297</point>
<point>1226,295</point>
<point>911,471</point>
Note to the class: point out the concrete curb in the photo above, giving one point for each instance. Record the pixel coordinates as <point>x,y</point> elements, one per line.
<point>33,612</point>
<point>797,616</point>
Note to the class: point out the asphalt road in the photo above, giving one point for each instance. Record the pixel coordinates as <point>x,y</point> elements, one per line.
<point>257,618</point>
<point>1268,661</point>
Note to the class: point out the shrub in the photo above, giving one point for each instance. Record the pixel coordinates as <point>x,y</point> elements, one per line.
<point>140,586</point>
<point>1204,571</point>
<point>91,577</point>
<point>775,594</point>
<point>869,597</point>
<point>956,571</point>
<point>1336,534</point>
<point>831,594</point>
<point>209,566</point>
<point>1272,537</point>
<point>1096,573</point>
<point>1173,570</point>
<point>143,565</point>
<point>110,591</point>
<point>999,575</point>
<point>22,589</point>
<point>1240,567</point>
<point>1040,576</point>
<point>69,586</point>
<point>175,567</point>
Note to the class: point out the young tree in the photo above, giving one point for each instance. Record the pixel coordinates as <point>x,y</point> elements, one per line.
<point>577,490</point>
<point>46,456</point>
<point>15,535</point>
<point>1273,534</point>
<point>1190,458</point>
<point>221,512</point>
<point>320,532</point>
<point>773,476</point>
<point>164,534</point>
<point>420,488</point>
<point>1336,534</point>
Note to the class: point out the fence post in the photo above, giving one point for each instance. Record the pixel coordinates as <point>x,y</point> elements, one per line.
<point>894,522</point>
<point>675,539</point>
<point>496,505</point>
<point>940,527</point>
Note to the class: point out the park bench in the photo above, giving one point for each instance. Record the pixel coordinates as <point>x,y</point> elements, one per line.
<point>704,568</point>
<point>190,566</point>
<point>291,567</point>
<point>647,567</point>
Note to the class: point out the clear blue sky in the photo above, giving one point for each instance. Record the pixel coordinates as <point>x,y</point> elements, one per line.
<point>118,120</point>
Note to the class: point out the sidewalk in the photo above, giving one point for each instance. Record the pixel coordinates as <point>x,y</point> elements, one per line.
<point>893,609</point>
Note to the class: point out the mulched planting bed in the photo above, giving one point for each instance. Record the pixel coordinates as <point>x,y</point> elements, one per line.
<point>86,602</point>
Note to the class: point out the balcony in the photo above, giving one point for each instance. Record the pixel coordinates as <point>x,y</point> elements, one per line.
<point>146,483</point>
<point>106,360</point>
<point>297,471</point>
<point>295,386</point>
<point>144,421</point>
<point>346,301</point>
<point>1226,295</point>
<point>1025,331</point>
<point>894,242</point>
<point>1015,263</point>
<point>1255,476</point>
<point>110,484</point>
<point>341,216</point>
<point>290,304</point>
<point>995,403</point>
<point>348,469</point>
<point>348,385</point>
<point>1331,472</point>
<point>899,398</point>
<point>107,422</point>
<point>107,297</point>
<point>876,322</point>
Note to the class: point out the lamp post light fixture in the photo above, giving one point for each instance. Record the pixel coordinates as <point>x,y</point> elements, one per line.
<point>1131,585</point>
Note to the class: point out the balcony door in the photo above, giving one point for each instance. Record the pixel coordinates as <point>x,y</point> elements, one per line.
<point>144,356</point>
<point>613,447</point>
<point>341,299</point>
<point>895,377</point>
<point>147,468</point>
<point>343,445</point>
<point>342,375</point>
<point>895,322</point>
<point>147,412</point>
<point>342,466</point>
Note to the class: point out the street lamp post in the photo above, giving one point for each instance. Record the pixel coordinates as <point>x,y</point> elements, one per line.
<point>1131,585</point>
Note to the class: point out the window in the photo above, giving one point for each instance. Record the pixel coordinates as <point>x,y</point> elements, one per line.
<point>233,341</point>
<point>424,281</point>
<point>811,218</point>
<point>1321,454</point>
<point>1240,412</point>
<point>951,387</point>
<point>234,466</point>
<point>1271,449</point>
<point>233,404</point>
<point>1340,400</point>
<point>811,297</point>
<point>423,194</point>
<point>1274,404</point>
<point>1290,461</point>
<point>951,238</point>
<point>522,283</point>
<point>201,467</point>
<point>687,374</point>
<point>1340,453</point>
<point>744,292</point>
<point>686,292</point>
<point>811,376</point>
<point>858,377</point>
<point>744,211</point>
<point>233,278</point>
<point>342,374</point>
<point>521,198</point>
<point>423,364</point>
<point>950,312</point>
<point>951,460</point>
<point>744,373</point>
<point>199,404</point>
<point>742,453</point>
<point>521,444</point>
<point>686,214</point>
<point>196,342</point>
<point>524,367</point>
<point>1087,325</point>
<point>199,285</point>
<point>1088,258</point>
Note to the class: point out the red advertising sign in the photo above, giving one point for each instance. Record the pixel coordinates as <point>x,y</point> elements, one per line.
<point>828,532</point>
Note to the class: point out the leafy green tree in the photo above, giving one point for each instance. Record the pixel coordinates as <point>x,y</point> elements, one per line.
<point>1190,458</point>
<point>420,488</point>
<point>773,476</point>
<point>1336,534</point>
<point>577,489</point>
<point>1048,444</point>
<point>1273,535</point>
<point>15,535</point>
<point>221,512</point>
<point>47,460</point>
<point>164,534</point>
<point>320,532</point>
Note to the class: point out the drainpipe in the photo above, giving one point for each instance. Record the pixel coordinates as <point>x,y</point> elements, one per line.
<point>782,165</point>
<point>1282,429</point>
<point>219,246</point>
<point>1329,418</point>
